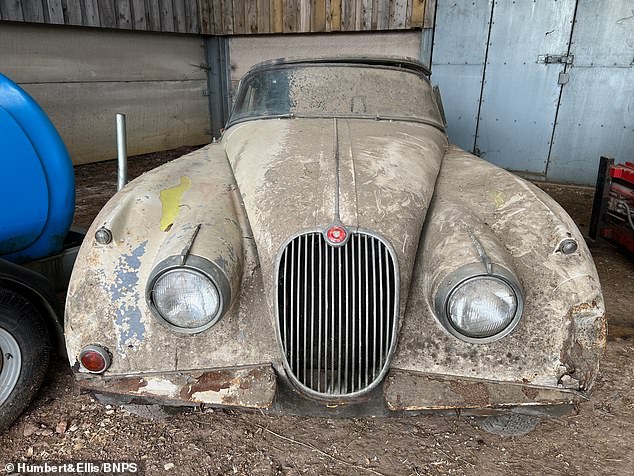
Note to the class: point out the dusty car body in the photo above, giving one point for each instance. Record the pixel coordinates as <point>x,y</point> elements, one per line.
<point>334,254</point>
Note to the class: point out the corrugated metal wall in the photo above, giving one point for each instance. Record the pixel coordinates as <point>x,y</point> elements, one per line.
<point>225,17</point>
<point>543,88</point>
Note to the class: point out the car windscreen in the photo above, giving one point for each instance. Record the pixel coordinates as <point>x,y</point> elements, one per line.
<point>336,91</point>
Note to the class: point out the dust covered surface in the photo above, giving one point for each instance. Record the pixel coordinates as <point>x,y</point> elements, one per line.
<point>63,425</point>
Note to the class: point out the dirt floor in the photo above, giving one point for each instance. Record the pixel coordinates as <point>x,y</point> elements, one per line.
<point>63,425</point>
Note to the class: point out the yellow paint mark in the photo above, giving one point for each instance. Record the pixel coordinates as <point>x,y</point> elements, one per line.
<point>499,199</point>
<point>171,200</point>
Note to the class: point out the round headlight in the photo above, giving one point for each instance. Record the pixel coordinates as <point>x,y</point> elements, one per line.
<point>186,299</point>
<point>482,307</point>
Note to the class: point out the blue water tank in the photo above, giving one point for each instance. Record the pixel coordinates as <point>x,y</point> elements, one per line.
<point>37,181</point>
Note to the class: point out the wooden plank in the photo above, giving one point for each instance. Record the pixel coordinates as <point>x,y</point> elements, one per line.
<point>264,16</point>
<point>192,16</point>
<point>153,14</point>
<point>107,13</point>
<point>11,10</point>
<point>366,15</point>
<point>358,14</point>
<point>375,14</point>
<point>166,11</point>
<point>417,15</point>
<point>54,13</point>
<point>291,20</point>
<point>318,15</point>
<point>277,17</point>
<point>33,11</point>
<point>238,16</point>
<point>160,115</point>
<point>335,15</point>
<point>430,14</point>
<point>124,14</point>
<point>139,18</point>
<point>383,15</point>
<point>251,16</point>
<point>304,16</point>
<point>91,13</point>
<point>205,16</point>
<point>348,15</point>
<point>179,16</point>
<point>216,17</point>
<point>72,12</point>
<point>398,14</point>
<point>227,17</point>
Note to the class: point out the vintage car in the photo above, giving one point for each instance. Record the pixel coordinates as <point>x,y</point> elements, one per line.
<point>333,254</point>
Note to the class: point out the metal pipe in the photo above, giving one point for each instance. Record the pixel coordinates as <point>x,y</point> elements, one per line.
<point>122,153</point>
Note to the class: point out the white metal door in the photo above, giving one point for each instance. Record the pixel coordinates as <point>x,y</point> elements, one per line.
<point>527,50</point>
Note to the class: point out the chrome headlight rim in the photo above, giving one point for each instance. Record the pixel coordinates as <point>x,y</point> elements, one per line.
<point>193,264</point>
<point>474,272</point>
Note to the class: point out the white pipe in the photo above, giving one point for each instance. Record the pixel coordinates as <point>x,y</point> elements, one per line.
<point>122,153</point>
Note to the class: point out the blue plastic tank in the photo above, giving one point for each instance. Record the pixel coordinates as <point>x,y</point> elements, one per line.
<point>37,181</point>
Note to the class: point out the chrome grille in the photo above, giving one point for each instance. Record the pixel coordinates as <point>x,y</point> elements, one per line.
<point>337,309</point>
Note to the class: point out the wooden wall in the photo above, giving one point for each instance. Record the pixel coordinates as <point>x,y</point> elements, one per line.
<point>226,17</point>
<point>82,78</point>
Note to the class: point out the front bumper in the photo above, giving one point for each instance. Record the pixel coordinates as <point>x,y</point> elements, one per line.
<point>401,392</point>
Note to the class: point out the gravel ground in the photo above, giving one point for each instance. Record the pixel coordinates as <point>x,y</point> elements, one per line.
<point>62,425</point>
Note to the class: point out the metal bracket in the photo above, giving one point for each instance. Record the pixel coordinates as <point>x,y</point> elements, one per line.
<point>555,59</point>
<point>563,78</point>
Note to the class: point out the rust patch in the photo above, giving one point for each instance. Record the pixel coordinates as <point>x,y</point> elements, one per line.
<point>473,394</point>
<point>584,343</point>
<point>207,382</point>
<point>530,392</point>
<point>406,390</point>
<point>247,387</point>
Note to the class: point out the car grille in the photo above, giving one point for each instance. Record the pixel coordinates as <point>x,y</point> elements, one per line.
<point>337,310</point>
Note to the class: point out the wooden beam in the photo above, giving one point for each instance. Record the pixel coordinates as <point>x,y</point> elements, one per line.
<point>139,18</point>
<point>335,15</point>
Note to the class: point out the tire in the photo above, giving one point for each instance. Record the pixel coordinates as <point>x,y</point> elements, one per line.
<point>509,424</point>
<point>24,355</point>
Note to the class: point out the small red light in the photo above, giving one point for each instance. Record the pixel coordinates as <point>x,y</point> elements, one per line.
<point>94,359</point>
<point>336,234</point>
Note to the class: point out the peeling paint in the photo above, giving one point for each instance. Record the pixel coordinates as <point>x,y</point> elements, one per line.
<point>171,200</point>
<point>124,292</point>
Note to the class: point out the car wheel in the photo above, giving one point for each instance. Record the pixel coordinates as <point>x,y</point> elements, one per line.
<point>509,424</point>
<point>24,355</point>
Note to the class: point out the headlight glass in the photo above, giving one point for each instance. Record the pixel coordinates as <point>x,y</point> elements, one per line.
<point>186,298</point>
<point>482,306</point>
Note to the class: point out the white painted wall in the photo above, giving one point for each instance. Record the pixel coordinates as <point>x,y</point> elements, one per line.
<point>82,77</point>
